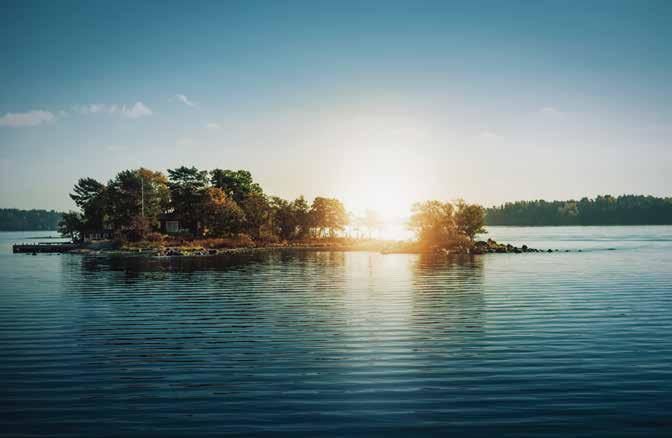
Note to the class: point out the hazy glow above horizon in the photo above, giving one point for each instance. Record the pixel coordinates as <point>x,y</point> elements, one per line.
<point>378,104</point>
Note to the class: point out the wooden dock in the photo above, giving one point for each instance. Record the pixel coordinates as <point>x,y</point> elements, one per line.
<point>43,247</point>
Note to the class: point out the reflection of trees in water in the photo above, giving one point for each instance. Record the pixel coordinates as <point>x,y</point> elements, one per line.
<point>242,311</point>
<point>448,296</point>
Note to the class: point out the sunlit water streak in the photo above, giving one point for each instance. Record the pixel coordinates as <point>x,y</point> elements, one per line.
<point>344,343</point>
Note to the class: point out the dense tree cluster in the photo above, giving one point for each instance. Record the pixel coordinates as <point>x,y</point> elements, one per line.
<point>218,203</point>
<point>443,224</point>
<point>603,210</point>
<point>12,219</point>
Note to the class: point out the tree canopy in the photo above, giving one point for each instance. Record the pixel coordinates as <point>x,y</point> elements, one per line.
<point>602,210</point>
<point>443,224</point>
<point>328,214</point>
<point>216,203</point>
<point>13,219</point>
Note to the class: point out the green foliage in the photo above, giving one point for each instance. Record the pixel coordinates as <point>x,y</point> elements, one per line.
<point>71,225</point>
<point>433,222</point>
<point>328,214</point>
<point>221,203</point>
<point>301,211</point>
<point>12,219</point>
<point>91,197</point>
<point>602,210</point>
<point>291,220</point>
<point>221,215</point>
<point>187,186</point>
<point>284,218</point>
<point>445,225</point>
<point>138,227</point>
<point>140,192</point>
<point>238,184</point>
<point>258,213</point>
<point>469,219</point>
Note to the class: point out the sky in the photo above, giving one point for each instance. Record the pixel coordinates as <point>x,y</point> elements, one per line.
<point>379,104</point>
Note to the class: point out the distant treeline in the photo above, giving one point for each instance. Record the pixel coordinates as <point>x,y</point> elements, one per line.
<point>13,219</point>
<point>603,210</point>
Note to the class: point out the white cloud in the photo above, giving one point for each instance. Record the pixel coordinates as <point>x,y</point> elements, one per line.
<point>31,118</point>
<point>185,100</point>
<point>95,108</point>
<point>212,125</point>
<point>136,111</point>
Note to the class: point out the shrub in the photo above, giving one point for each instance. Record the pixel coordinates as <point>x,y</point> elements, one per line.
<point>154,237</point>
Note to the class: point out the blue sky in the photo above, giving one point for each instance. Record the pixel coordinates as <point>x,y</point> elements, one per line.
<point>377,103</point>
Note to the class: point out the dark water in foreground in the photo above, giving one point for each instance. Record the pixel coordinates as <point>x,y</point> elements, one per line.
<point>344,343</point>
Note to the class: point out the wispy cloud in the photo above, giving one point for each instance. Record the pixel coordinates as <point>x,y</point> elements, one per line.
<point>136,111</point>
<point>185,100</point>
<point>95,108</point>
<point>30,118</point>
<point>212,125</point>
<point>39,117</point>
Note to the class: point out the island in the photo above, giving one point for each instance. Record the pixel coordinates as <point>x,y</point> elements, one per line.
<point>198,212</point>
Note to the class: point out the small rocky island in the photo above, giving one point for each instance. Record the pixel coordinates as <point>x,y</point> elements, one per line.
<point>192,212</point>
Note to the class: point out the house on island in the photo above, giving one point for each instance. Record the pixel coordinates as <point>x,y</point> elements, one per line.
<point>169,223</point>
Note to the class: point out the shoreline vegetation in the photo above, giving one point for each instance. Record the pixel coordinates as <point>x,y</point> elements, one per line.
<point>197,212</point>
<point>603,210</point>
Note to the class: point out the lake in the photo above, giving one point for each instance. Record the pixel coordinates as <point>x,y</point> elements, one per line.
<point>344,343</point>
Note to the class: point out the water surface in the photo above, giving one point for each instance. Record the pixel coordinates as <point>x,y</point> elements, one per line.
<point>575,343</point>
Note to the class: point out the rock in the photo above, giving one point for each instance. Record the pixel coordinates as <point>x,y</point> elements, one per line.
<point>550,250</point>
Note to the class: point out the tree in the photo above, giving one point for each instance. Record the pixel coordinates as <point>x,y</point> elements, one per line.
<point>238,184</point>
<point>433,222</point>
<point>602,210</point>
<point>257,213</point>
<point>187,186</point>
<point>328,214</point>
<point>221,215</point>
<point>469,219</point>
<point>302,216</point>
<point>140,192</point>
<point>156,194</point>
<point>13,219</point>
<point>284,218</point>
<point>71,225</point>
<point>138,227</point>
<point>91,197</point>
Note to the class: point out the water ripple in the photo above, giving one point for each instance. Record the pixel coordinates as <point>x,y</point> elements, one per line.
<point>334,343</point>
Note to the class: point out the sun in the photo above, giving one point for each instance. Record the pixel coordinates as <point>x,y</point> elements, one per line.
<point>380,182</point>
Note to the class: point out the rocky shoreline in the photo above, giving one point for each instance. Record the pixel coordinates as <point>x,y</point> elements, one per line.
<point>477,248</point>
